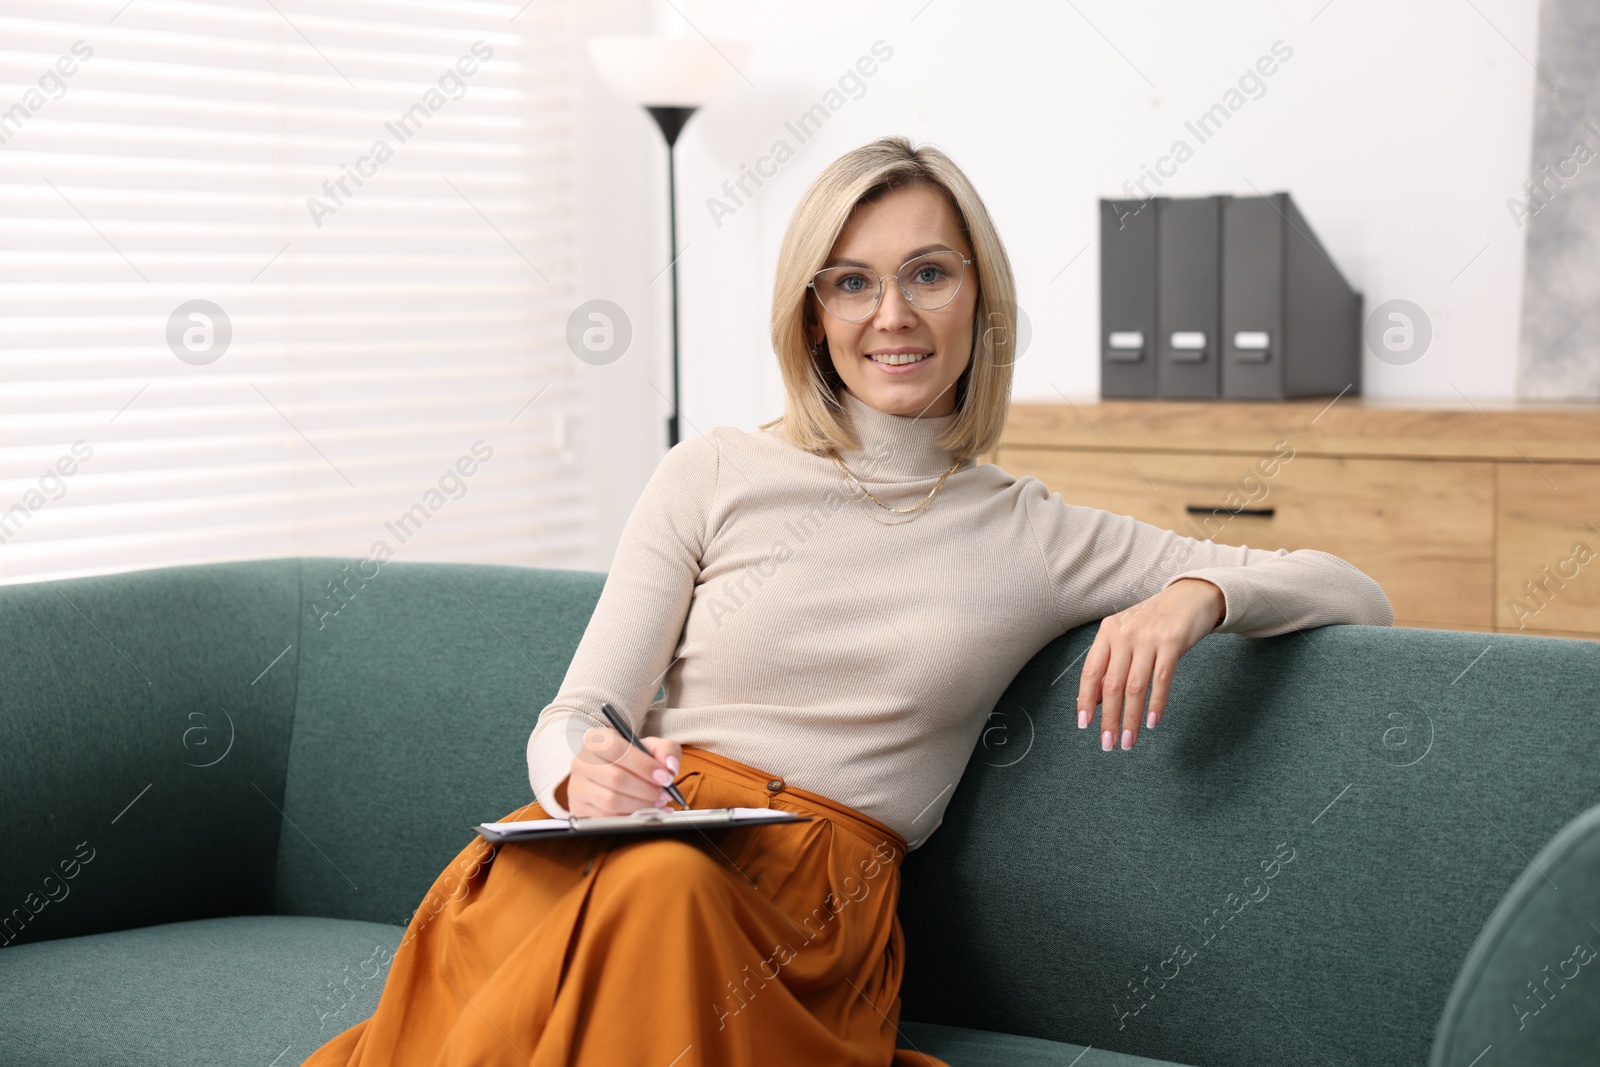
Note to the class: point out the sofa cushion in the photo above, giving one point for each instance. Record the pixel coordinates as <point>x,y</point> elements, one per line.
<point>263,990</point>
<point>271,989</point>
<point>984,1048</point>
<point>417,693</point>
<point>1530,984</point>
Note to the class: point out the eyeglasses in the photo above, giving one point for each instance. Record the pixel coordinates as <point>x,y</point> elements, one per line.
<point>853,293</point>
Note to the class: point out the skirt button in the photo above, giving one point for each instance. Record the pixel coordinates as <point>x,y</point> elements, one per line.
<point>775,785</point>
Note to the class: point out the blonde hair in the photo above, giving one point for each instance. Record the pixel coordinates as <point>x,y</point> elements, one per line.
<point>983,392</point>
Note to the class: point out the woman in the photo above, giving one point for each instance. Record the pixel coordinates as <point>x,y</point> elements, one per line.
<point>815,657</point>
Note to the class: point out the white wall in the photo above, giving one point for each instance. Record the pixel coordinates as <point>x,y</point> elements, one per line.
<point>622,245</point>
<point>1401,130</point>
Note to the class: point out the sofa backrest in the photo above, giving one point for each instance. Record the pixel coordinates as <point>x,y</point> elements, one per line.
<point>144,744</point>
<point>418,688</point>
<point>1290,869</point>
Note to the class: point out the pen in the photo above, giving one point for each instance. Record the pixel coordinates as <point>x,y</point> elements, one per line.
<point>623,729</point>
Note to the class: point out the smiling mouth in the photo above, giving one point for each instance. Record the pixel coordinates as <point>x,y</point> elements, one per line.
<point>901,360</point>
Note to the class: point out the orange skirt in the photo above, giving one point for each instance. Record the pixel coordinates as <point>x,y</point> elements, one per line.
<point>769,945</point>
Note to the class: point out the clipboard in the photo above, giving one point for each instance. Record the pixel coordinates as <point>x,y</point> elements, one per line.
<point>643,821</point>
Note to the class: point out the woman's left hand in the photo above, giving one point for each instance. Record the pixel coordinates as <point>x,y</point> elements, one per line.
<point>1136,650</point>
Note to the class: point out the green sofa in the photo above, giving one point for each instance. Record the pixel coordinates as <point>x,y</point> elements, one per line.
<point>227,788</point>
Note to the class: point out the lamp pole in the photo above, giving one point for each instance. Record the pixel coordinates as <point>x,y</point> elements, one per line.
<point>671,120</point>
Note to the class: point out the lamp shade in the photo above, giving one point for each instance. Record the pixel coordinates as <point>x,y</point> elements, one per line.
<point>666,71</point>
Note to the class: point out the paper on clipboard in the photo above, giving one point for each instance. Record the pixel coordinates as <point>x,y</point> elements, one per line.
<point>643,819</point>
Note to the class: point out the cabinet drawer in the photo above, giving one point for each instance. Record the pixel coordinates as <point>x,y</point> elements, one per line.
<point>1548,565</point>
<point>1424,530</point>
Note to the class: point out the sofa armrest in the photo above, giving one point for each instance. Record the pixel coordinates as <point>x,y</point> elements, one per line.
<point>1529,984</point>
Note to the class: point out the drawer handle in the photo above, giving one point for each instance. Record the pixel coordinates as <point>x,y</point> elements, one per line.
<point>1197,509</point>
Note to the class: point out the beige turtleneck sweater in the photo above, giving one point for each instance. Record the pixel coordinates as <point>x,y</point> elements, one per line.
<point>859,660</point>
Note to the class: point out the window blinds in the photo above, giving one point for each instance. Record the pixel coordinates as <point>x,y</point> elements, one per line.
<point>285,277</point>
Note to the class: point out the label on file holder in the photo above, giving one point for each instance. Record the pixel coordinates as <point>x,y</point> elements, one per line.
<point>1251,346</point>
<point>1189,346</point>
<point>1127,346</point>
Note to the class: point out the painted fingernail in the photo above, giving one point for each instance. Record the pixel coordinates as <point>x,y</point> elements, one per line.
<point>662,800</point>
<point>661,777</point>
<point>1105,741</point>
<point>672,761</point>
<point>1127,739</point>
<point>1083,717</point>
<point>1150,721</point>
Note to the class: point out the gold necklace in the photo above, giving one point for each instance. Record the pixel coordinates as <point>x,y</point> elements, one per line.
<point>898,511</point>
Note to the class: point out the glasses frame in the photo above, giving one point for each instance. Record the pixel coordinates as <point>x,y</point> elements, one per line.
<point>883,288</point>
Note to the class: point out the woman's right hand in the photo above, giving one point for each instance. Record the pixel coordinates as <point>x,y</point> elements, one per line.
<point>611,777</point>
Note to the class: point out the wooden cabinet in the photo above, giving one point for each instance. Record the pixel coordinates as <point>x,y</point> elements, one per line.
<point>1548,549</point>
<point>1461,512</point>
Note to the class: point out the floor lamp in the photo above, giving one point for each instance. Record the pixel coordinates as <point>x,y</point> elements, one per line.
<point>670,77</point>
